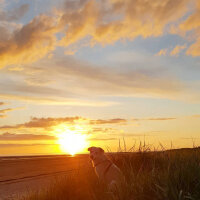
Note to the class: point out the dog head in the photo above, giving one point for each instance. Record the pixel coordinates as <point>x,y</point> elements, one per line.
<point>96,154</point>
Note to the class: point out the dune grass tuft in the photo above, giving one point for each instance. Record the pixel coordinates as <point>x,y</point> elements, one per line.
<point>165,175</point>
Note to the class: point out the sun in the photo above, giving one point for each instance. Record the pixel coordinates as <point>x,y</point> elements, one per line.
<point>72,141</point>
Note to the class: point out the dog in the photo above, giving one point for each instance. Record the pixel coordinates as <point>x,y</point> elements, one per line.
<point>107,172</point>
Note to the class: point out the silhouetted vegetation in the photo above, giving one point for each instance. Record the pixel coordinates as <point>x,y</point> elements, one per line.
<point>165,175</point>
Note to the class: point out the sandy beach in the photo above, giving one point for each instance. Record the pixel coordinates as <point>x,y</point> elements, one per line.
<point>21,175</point>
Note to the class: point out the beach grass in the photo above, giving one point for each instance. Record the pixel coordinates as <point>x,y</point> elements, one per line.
<point>150,175</point>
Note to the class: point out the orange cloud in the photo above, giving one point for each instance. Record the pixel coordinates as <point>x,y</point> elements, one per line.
<point>7,110</point>
<point>102,22</point>
<point>174,52</point>
<point>115,20</point>
<point>4,111</point>
<point>28,43</point>
<point>80,22</point>
<point>162,52</point>
<point>193,21</point>
<point>192,24</point>
<point>112,20</point>
<point>194,49</point>
<point>126,19</point>
<point>177,50</point>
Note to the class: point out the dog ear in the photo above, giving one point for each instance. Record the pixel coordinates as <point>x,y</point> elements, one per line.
<point>97,148</point>
<point>91,148</point>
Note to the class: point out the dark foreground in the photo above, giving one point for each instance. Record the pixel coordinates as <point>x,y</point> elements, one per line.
<point>167,175</point>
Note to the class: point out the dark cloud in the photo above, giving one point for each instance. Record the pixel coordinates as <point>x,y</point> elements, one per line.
<point>25,145</point>
<point>43,122</point>
<point>14,14</point>
<point>28,43</point>
<point>102,130</point>
<point>109,121</point>
<point>155,119</point>
<point>6,110</point>
<point>102,139</point>
<point>125,135</point>
<point>49,122</point>
<point>2,103</point>
<point>17,87</point>
<point>161,119</point>
<point>15,137</point>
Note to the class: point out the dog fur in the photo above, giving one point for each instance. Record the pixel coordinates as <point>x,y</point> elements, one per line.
<point>107,172</point>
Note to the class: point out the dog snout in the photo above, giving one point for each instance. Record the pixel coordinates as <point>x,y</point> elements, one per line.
<point>92,157</point>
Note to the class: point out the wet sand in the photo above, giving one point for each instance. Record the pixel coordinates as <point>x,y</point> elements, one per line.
<point>20,175</point>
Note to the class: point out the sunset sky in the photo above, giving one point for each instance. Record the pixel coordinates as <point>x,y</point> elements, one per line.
<point>105,69</point>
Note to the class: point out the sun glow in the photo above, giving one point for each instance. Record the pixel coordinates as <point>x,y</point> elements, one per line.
<point>72,141</point>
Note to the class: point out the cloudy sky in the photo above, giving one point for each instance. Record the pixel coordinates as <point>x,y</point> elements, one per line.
<point>113,69</point>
